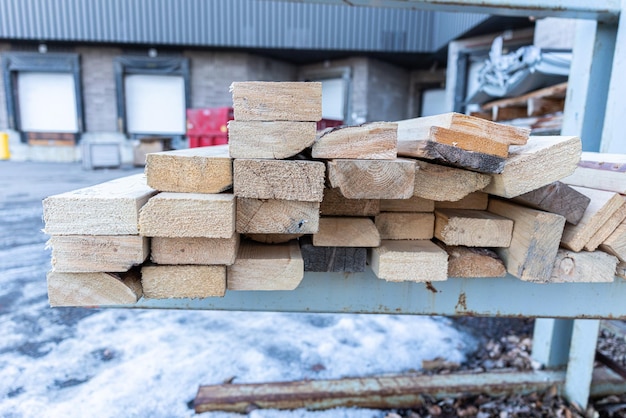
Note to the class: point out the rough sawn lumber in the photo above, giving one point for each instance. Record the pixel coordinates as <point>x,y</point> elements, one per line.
<point>583,267</point>
<point>273,216</point>
<point>466,262</point>
<point>377,140</point>
<point>415,260</point>
<point>373,179</point>
<point>557,198</point>
<point>275,139</point>
<point>93,289</point>
<point>332,259</point>
<point>336,204</point>
<point>405,225</point>
<point>438,182</point>
<point>472,228</point>
<point>346,232</point>
<point>194,251</point>
<point>174,282</point>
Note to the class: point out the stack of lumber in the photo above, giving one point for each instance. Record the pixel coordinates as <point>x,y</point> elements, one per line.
<point>415,200</point>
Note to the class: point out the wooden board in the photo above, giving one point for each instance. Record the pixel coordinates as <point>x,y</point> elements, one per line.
<point>620,271</point>
<point>194,251</point>
<point>110,208</point>
<point>450,155</point>
<point>405,225</point>
<point>273,238</point>
<point>272,101</point>
<point>615,244</point>
<point>373,179</point>
<point>174,282</point>
<point>272,216</point>
<point>414,204</point>
<point>97,253</point>
<point>277,139</point>
<point>371,141</point>
<point>332,259</point>
<point>469,142</point>
<point>266,267</point>
<point>419,128</point>
<point>335,204</point>
<point>543,160</point>
<point>602,206</point>
<point>583,267</point>
<point>178,215</point>
<point>555,91</point>
<point>474,200</point>
<point>469,262</point>
<point>606,229</point>
<point>93,289</point>
<point>438,182</point>
<point>192,170</point>
<point>416,261</point>
<point>557,198</point>
<point>472,228</point>
<point>279,179</point>
<point>600,171</point>
<point>346,232</point>
<point>534,243</point>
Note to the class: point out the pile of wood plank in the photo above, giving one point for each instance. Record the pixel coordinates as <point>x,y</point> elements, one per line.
<point>416,200</point>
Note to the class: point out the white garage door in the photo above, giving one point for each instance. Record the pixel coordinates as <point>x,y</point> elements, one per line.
<point>47,102</point>
<point>333,99</point>
<point>155,104</point>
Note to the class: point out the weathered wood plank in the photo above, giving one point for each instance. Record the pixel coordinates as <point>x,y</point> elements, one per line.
<point>332,259</point>
<point>194,251</point>
<point>266,267</point>
<point>602,206</point>
<point>468,262</point>
<point>279,179</point>
<point>273,238</point>
<point>606,229</point>
<point>475,200</point>
<point>600,171</point>
<point>414,204</point>
<point>174,282</point>
<point>403,260</point>
<point>469,142</point>
<point>472,228</point>
<point>179,215</point>
<point>615,244</point>
<point>438,182</point>
<point>335,204</point>
<point>543,160</point>
<point>373,179</point>
<point>535,240</point>
<point>276,139</point>
<point>556,198</point>
<point>583,267</point>
<point>405,225</point>
<point>97,253</point>
<point>277,101</point>
<point>346,232</point>
<point>110,208</point>
<point>371,141</point>
<point>192,170</point>
<point>93,289</point>
<point>272,216</point>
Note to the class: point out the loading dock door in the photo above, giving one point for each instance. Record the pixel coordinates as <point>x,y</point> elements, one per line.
<point>333,99</point>
<point>47,102</point>
<point>155,104</point>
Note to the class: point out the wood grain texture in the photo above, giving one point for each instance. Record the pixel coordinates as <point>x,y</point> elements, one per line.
<point>469,262</point>
<point>474,200</point>
<point>416,261</point>
<point>371,141</point>
<point>194,251</point>
<point>472,228</point>
<point>414,204</point>
<point>179,215</point>
<point>346,232</point>
<point>606,229</point>
<point>405,225</point>
<point>373,179</point>
<point>273,238</point>
<point>602,206</point>
<point>601,171</point>
<point>175,282</point>
<point>332,259</point>
<point>615,244</point>
<point>469,142</point>
<point>535,240</point>
<point>583,267</point>
<point>272,216</point>
<point>557,198</point>
<point>277,101</point>
<point>266,267</point>
<point>97,253</point>
<point>192,170</point>
<point>543,160</point>
<point>438,182</point>
<point>279,179</point>
<point>93,289</point>
<point>335,204</point>
<point>277,139</point>
<point>110,208</point>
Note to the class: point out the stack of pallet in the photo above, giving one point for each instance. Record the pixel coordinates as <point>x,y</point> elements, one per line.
<point>417,200</point>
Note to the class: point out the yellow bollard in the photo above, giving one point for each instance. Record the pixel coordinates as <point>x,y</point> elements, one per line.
<point>4,146</point>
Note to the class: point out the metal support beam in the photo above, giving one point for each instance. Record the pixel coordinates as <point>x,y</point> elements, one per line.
<point>551,341</point>
<point>581,359</point>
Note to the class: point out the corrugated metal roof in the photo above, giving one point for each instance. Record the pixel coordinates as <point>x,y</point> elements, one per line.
<point>232,23</point>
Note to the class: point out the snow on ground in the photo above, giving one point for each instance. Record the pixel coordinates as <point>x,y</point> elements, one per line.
<point>75,362</point>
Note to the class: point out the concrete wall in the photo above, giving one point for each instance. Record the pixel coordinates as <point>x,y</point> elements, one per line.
<point>387,91</point>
